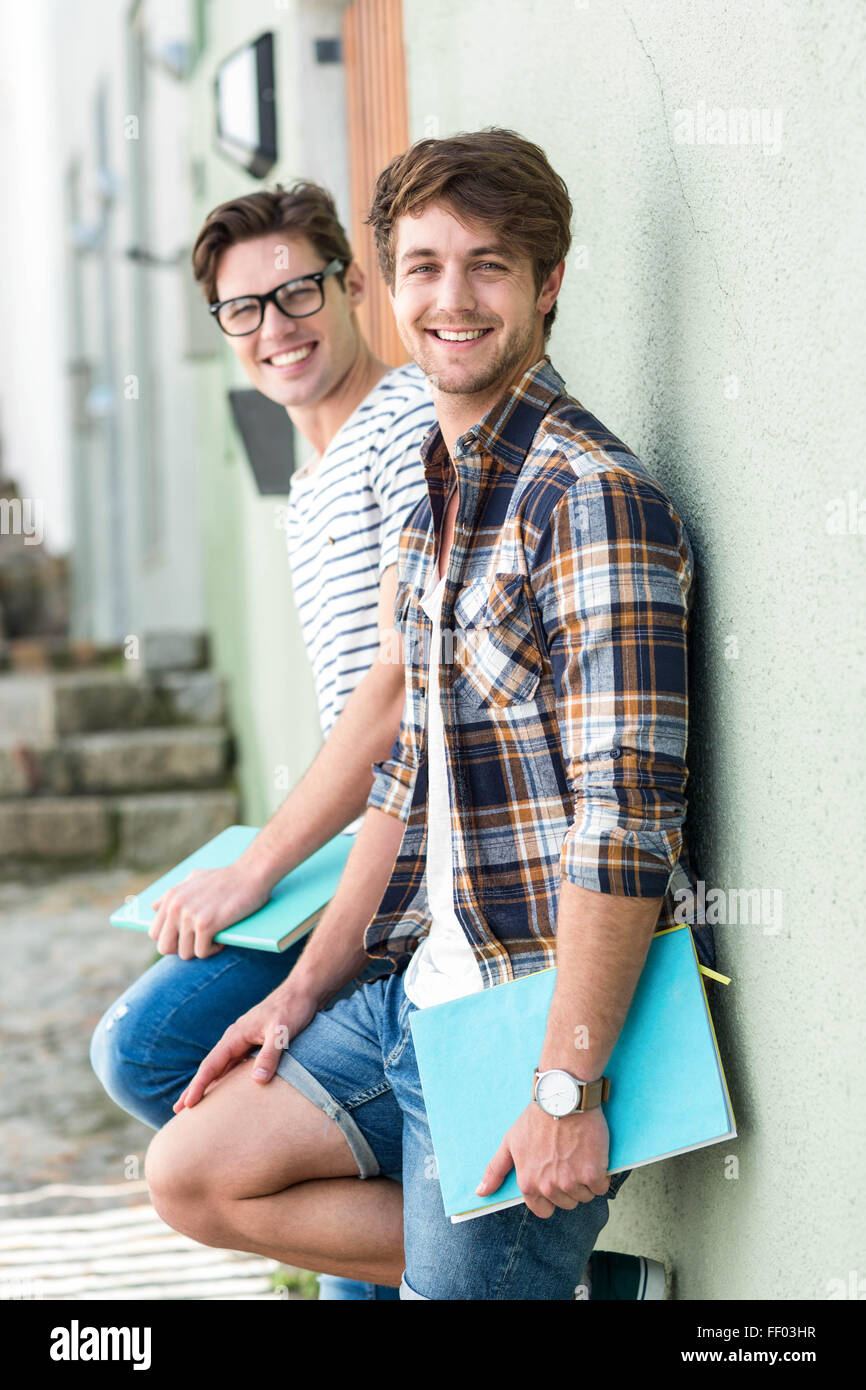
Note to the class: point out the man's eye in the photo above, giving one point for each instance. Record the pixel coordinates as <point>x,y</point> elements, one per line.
<point>483,265</point>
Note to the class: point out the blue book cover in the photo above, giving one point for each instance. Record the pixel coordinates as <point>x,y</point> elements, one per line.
<point>293,908</point>
<point>476,1056</point>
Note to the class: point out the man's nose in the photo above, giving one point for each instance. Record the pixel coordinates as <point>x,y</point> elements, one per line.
<point>275,324</point>
<point>454,293</point>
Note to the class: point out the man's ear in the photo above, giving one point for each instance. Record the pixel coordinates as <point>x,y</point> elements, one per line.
<point>550,289</point>
<point>356,285</point>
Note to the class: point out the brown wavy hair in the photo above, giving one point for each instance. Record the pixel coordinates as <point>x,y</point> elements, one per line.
<point>305,208</point>
<point>492,175</point>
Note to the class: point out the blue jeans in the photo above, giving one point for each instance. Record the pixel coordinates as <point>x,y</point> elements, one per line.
<point>148,1046</point>
<point>356,1062</point>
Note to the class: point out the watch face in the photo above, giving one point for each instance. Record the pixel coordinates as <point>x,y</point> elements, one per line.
<point>556,1093</point>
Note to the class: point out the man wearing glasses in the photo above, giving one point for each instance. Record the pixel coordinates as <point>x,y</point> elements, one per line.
<point>282,284</point>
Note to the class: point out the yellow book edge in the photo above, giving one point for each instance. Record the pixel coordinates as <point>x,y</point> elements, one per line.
<point>722,979</point>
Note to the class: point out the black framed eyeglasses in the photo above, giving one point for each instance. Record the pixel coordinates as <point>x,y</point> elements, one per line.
<point>297,299</point>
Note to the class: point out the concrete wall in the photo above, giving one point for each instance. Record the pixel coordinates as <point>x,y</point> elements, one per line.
<point>713,315</point>
<point>134,508</point>
<point>31,343</point>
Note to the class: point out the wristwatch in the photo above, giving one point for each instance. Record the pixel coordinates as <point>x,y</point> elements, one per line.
<point>559,1093</point>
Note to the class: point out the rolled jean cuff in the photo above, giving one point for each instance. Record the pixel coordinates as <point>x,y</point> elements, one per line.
<point>290,1070</point>
<point>406,1291</point>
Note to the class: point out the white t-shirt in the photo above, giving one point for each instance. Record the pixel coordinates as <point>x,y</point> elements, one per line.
<point>343,523</point>
<point>444,965</point>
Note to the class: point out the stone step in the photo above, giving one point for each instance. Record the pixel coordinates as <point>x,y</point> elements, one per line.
<point>55,653</point>
<point>18,769</point>
<point>88,705</point>
<point>143,831</point>
<point>159,830</point>
<point>41,708</point>
<point>135,760</point>
<point>27,709</point>
<point>158,651</point>
<point>55,829</point>
<point>174,651</point>
<point>138,760</point>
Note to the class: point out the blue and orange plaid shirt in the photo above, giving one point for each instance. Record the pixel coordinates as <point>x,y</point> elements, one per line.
<point>563,681</point>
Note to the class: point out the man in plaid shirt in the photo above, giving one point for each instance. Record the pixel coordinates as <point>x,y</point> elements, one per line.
<point>530,812</point>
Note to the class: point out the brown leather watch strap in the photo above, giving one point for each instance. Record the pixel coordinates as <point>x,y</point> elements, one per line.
<point>594,1093</point>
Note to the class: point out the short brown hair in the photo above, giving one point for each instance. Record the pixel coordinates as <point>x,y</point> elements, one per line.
<point>491,175</point>
<point>305,208</point>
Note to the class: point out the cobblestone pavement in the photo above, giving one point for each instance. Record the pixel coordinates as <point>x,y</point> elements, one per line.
<point>62,965</point>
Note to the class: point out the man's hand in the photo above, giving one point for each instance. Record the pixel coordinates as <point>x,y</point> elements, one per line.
<point>559,1163</point>
<point>190,914</point>
<point>334,955</point>
<point>271,1025</point>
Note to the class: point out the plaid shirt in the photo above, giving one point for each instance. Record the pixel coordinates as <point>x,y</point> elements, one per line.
<point>563,681</point>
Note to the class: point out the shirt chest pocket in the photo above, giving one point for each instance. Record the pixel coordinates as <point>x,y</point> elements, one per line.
<point>495,654</point>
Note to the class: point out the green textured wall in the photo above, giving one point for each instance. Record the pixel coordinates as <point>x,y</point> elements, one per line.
<point>717,325</point>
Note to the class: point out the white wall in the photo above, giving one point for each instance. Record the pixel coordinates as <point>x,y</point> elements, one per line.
<point>32,380</point>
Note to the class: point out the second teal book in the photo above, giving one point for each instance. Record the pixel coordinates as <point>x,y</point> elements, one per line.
<point>293,908</point>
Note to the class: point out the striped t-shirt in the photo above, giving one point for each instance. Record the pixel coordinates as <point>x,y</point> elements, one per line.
<point>343,523</point>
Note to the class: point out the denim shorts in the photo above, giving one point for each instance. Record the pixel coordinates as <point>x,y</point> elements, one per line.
<point>356,1062</point>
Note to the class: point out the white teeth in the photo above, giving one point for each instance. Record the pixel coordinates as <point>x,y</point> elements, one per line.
<point>458,337</point>
<point>285,359</point>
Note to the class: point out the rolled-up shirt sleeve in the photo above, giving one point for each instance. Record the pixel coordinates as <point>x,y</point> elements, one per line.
<point>393,781</point>
<point>614,588</point>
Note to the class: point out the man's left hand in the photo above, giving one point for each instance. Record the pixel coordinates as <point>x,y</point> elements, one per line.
<point>559,1163</point>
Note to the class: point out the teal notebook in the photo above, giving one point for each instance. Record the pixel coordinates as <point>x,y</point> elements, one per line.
<point>293,908</point>
<point>476,1056</point>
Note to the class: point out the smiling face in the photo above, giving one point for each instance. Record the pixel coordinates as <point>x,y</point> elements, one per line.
<point>295,362</point>
<point>466,307</point>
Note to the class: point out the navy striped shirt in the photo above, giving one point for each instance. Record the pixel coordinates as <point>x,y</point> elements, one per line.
<point>343,524</point>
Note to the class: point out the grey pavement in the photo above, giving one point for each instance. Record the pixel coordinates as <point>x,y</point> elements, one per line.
<point>62,965</point>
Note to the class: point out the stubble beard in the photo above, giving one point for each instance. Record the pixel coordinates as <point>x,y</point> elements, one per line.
<point>512,352</point>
